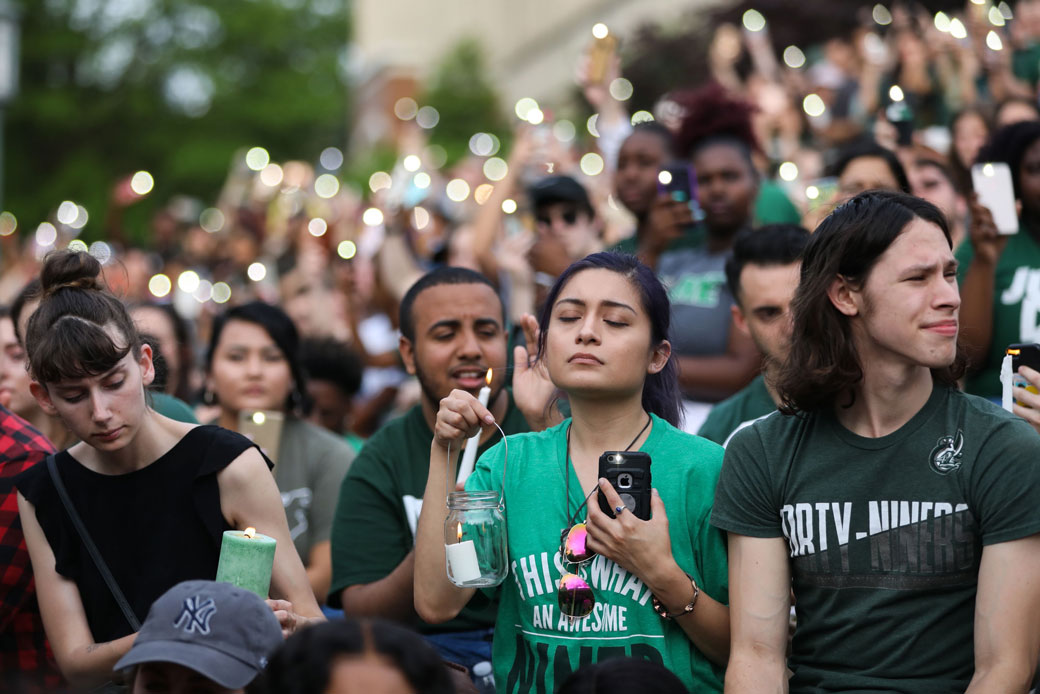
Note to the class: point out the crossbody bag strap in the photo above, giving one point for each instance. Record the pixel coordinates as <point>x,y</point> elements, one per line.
<point>102,567</point>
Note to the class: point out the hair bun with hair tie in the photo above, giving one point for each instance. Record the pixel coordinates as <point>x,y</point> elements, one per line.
<point>70,270</point>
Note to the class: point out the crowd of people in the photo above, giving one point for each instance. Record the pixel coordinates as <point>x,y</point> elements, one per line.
<point>781,287</point>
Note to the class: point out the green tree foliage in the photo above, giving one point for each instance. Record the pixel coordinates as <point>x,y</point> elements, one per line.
<point>109,87</point>
<point>465,99</point>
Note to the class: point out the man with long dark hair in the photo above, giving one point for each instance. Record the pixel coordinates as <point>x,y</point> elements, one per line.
<point>904,512</point>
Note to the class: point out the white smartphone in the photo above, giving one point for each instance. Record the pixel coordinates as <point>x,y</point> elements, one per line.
<point>992,183</point>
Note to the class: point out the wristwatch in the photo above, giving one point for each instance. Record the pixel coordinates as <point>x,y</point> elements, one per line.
<point>659,607</point>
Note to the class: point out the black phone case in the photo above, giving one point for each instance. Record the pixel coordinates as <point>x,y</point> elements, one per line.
<point>681,186</point>
<point>1028,354</point>
<point>630,468</point>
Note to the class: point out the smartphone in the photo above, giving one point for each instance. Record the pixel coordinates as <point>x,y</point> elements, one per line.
<point>992,183</point>
<point>1024,354</point>
<point>678,181</point>
<point>601,52</point>
<point>902,118</point>
<point>629,473</point>
<point>264,428</point>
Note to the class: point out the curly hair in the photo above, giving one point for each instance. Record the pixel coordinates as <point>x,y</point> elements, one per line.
<point>711,112</point>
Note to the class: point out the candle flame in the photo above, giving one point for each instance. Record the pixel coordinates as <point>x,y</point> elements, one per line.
<point>487,377</point>
<point>249,532</point>
<point>460,531</point>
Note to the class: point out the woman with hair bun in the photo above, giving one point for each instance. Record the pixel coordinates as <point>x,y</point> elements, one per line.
<point>154,495</point>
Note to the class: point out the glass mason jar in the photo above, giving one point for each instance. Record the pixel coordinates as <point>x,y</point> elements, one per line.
<point>475,539</point>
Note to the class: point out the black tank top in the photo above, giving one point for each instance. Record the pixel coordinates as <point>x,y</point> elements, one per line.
<point>155,527</point>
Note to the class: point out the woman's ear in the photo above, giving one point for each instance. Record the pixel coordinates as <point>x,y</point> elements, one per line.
<point>844,296</point>
<point>147,365</point>
<point>43,398</point>
<point>659,357</point>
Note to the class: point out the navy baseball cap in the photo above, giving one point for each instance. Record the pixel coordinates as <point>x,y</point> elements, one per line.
<point>218,630</point>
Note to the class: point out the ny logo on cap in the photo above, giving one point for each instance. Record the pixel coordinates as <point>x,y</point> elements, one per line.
<point>196,615</point>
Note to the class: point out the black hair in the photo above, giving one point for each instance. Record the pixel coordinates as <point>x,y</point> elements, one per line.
<point>621,676</point>
<point>328,359</point>
<point>735,143</point>
<point>435,278</point>
<point>67,337</point>
<point>29,293</point>
<point>1009,145</point>
<point>282,331</point>
<point>182,334</point>
<point>941,167</point>
<point>303,664</point>
<point>870,148</point>
<point>773,244</point>
<point>660,390</point>
<point>823,365</point>
<point>659,131</point>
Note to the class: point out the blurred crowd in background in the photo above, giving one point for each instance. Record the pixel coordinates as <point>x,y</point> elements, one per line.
<point>776,134</point>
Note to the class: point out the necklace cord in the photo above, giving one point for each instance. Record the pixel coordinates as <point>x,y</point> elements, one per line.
<point>567,472</point>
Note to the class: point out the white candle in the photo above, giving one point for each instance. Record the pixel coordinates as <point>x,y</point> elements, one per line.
<point>1006,379</point>
<point>469,458</point>
<point>462,562</point>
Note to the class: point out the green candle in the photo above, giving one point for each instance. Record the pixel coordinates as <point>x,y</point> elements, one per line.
<point>246,560</point>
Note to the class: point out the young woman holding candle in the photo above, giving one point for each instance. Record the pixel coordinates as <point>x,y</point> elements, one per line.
<point>155,495</point>
<point>253,364</point>
<point>603,343</point>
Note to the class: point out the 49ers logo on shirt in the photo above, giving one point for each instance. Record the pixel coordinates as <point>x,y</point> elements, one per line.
<point>946,456</point>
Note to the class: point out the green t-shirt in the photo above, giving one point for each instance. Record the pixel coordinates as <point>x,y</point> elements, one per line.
<point>379,503</point>
<point>693,237</point>
<point>885,534</point>
<point>535,647</point>
<point>1016,306</point>
<point>772,206</point>
<point>174,408</point>
<point>741,410</point>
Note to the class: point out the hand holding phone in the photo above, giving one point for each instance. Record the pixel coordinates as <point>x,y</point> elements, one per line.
<point>993,185</point>
<point>629,473</point>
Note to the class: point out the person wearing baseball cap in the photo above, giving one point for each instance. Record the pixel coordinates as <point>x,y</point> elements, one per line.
<point>202,636</point>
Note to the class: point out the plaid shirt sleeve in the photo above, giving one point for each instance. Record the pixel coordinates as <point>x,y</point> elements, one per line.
<point>23,644</point>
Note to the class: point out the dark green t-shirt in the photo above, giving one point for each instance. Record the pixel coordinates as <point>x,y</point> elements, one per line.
<point>379,503</point>
<point>735,413</point>
<point>693,237</point>
<point>1016,306</point>
<point>885,534</point>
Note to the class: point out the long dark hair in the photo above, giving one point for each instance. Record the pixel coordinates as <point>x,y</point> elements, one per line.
<point>822,365</point>
<point>660,390</point>
<point>66,336</point>
<point>304,663</point>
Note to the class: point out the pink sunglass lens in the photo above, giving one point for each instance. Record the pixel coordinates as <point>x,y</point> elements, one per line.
<point>576,599</point>
<point>575,545</point>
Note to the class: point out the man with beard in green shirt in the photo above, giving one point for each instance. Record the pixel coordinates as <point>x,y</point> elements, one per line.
<point>452,332</point>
